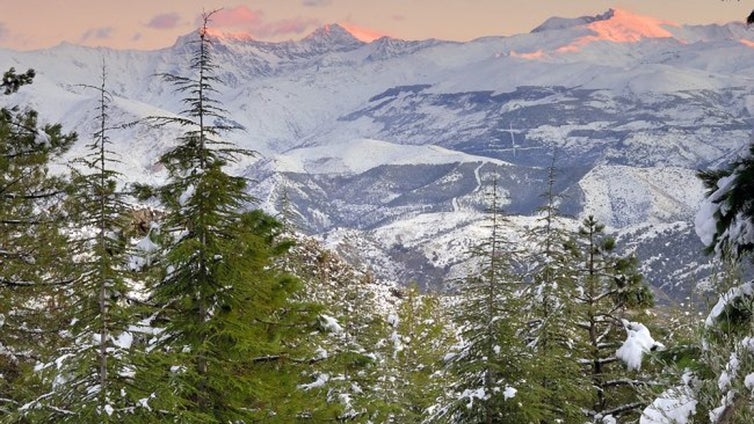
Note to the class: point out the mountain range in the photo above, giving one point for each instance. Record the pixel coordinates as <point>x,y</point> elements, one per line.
<point>384,150</point>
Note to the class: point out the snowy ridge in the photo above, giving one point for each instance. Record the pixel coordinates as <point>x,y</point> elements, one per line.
<point>558,23</point>
<point>359,156</point>
<point>394,136</point>
<point>621,196</point>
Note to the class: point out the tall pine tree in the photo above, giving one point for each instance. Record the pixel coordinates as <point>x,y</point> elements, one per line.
<point>222,353</point>
<point>91,377</point>
<point>550,306</point>
<point>609,287</point>
<point>489,366</point>
<point>34,265</point>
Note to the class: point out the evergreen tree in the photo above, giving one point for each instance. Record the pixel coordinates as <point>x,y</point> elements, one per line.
<point>717,368</point>
<point>722,360</point>
<point>34,265</point>
<point>420,338</point>
<point>726,217</point>
<point>609,287</point>
<point>725,363</point>
<point>222,353</point>
<point>489,367</point>
<point>91,378</point>
<point>352,346</point>
<point>550,306</point>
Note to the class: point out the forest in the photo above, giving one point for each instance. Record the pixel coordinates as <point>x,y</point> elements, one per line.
<point>208,310</point>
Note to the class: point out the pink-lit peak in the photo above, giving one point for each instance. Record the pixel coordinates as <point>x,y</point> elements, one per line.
<point>225,35</point>
<point>626,27</point>
<point>617,26</point>
<point>622,27</point>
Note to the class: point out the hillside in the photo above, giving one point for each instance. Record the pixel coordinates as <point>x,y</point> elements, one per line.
<point>384,148</point>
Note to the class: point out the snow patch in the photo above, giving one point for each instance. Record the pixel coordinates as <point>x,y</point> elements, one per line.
<point>358,156</point>
<point>330,324</point>
<point>638,343</point>
<point>673,406</point>
<point>746,290</point>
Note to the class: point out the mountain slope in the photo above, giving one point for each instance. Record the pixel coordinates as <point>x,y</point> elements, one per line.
<point>374,139</point>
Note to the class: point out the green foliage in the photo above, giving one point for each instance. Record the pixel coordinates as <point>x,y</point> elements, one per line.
<point>729,191</point>
<point>491,366</point>
<point>100,373</point>
<point>421,335</point>
<point>228,346</point>
<point>610,286</point>
<point>13,81</point>
<point>551,307</point>
<point>348,379</point>
<point>34,264</point>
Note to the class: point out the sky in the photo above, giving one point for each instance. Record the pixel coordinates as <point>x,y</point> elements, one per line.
<point>154,24</point>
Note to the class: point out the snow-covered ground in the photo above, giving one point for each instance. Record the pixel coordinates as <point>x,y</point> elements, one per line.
<point>631,106</point>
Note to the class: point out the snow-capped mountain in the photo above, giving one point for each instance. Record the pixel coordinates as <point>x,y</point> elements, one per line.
<point>385,147</point>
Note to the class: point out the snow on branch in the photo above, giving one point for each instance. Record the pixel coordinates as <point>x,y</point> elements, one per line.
<point>638,342</point>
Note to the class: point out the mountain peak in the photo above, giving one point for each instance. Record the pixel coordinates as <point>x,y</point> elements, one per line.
<point>624,26</point>
<point>557,23</point>
<point>615,25</point>
<point>216,36</point>
<point>332,34</point>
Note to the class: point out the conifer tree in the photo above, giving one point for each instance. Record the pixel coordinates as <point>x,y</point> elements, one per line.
<point>550,307</point>
<point>726,217</point>
<point>34,265</point>
<point>489,367</point>
<point>222,353</point>
<point>609,287</point>
<point>723,360</point>
<point>91,378</point>
<point>421,336</point>
<point>351,370</point>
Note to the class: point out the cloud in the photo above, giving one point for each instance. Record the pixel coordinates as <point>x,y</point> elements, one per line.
<point>164,21</point>
<point>285,27</point>
<point>363,34</point>
<point>101,33</point>
<point>315,3</point>
<point>243,19</point>
<point>237,17</point>
<point>3,31</point>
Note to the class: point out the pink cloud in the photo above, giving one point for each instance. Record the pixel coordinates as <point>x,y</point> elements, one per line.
<point>315,3</point>
<point>241,20</point>
<point>239,16</point>
<point>164,21</point>
<point>285,27</point>
<point>101,33</point>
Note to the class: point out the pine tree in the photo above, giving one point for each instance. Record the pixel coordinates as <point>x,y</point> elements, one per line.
<point>723,359</point>
<point>610,286</point>
<point>421,336</point>
<point>91,377</point>
<point>716,367</point>
<point>550,306</point>
<point>727,215</point>
<point>34,265</point>
<point>352,346</point>
<point>489,367</point>
<point>222,354</point>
